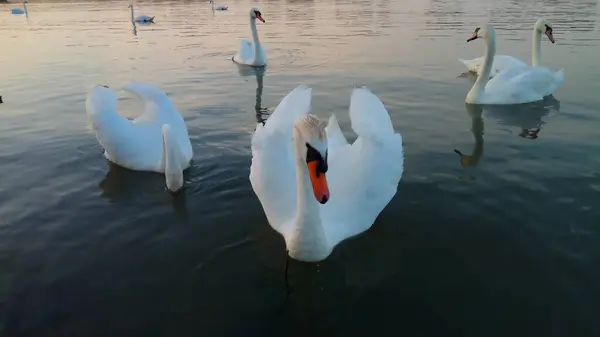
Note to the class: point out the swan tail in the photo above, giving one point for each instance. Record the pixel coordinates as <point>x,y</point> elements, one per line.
<point>172,160</point>
<point>369,117</point>
<point>293,106</point>
<point>151,19</point>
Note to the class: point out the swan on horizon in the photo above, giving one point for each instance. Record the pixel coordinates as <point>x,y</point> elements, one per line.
<point>252,53</point>
<point>513,85</point>
<point>217,8</point>
<point>140,18</point>
<point>18,11</point>
<point>315,188</point>
<point>156,141</point>
<point>503,62</point>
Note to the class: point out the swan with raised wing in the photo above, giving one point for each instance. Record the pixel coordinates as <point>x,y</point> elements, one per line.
<point>140,18</point>
<point>502,62</point>
<point>513,85</point>
<point>252,53</point>
<point>156,141</point>
<point>317,189</point>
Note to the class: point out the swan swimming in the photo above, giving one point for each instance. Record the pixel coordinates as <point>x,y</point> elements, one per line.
<point>156,141</point>
<point>503,62</point>
<point>519,84</point>
<point>317,189</point>
<point>252,53</point>
<point>217,8</point>
<point>140,18</point>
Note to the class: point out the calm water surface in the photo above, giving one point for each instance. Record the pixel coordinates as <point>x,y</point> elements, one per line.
<point>506,244</point>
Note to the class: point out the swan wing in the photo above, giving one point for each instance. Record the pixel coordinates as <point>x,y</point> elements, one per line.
<point>362,177</point>
<point>245,54</point>
<point>124,143</point>
<point>335,138</point>
<point>501,63</point>
<point>524,84</point>
<point>273,169</point>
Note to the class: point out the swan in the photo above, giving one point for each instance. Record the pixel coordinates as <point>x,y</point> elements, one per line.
<point>217,8</point>
<point>297,163</point>
<point>19,10</point>
<point>156,141</point>
<point>252,53</point>
<point>513,85</point>
<point>503,62</point>
<point>141,18</point>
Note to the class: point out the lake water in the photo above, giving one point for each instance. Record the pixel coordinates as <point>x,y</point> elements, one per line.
<point>506,244</point>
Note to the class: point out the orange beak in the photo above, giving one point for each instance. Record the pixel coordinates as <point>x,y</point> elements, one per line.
<point>550,36</point>
<point>260,18</point>
<point>319,182</point>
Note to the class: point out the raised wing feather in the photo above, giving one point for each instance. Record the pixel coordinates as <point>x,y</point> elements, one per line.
<point>273,170</point>
<point>363,177</point>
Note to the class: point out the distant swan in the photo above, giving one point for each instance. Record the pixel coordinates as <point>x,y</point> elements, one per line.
<point>19,10</point>
<point>297,162</point>
<point>503,62</point>
<point>252,53</point>
<point>217,8</point>
<point>141,18</point>
<point>513,85</point>
<point>156,141</point>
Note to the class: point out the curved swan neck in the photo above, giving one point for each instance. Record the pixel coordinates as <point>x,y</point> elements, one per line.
<point>254,35</point>
<point>536,53</point>
<point>484,77</point>
<point>173,159</point>
<point>308,230</point>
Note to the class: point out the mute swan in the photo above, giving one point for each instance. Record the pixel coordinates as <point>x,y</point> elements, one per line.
<point>19,10</point>
<point>141,18</point>
<point>252,53</point>
<point>513,85</point>
<point>503,62</point>
<point>217,8</point>
<point>156,141</point>
<point>294,151</point>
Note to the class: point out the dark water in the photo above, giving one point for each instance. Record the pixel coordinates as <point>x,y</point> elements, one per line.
<point>506,244</point>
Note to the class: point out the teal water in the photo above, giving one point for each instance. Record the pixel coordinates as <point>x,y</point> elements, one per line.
<point>506,244</point>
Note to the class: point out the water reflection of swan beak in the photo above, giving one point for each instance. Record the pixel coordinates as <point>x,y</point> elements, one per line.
<point>465,160</point>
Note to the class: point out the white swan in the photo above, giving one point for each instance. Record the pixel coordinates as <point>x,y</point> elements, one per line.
<point>252,53</point>
<point>503,62</point>
<point>297,162</point>
<point>513,85</point>
<point>19,11</point>
<point>156,141</point>
<point>217,8</point>
<point>140,18</point>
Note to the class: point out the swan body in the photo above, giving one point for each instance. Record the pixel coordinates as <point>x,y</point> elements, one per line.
<point>252,53</point>
<point>516,85</point>
<point>156,141</point>
<point>317,189</point>
<point>217,8</point>
<point>503,62</point>
<point>141,18</point>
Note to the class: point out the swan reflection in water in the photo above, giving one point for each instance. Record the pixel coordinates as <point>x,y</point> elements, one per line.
<point>122,185</point>
<point>527,117</point>
<point>134,28</point>
<point>261,113</point>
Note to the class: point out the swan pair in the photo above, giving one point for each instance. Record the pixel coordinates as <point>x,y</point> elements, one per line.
<point>156,141</point>
<point>317,189</point>
<point>140,18</point>
<point>514,81</point>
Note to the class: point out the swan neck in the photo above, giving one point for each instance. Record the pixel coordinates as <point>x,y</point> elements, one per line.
<point>254,35</point>
<point>308,229</point>
<point>172,159</point>
<point>490,52</point>
<point>536,53</point>
<point>131,10</point>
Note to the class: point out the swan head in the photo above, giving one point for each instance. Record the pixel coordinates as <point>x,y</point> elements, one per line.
<point>313,145</point>
<point>256,14</point>
<point>544,26</point>
<point>485,32</point>
<point>130,6</point>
